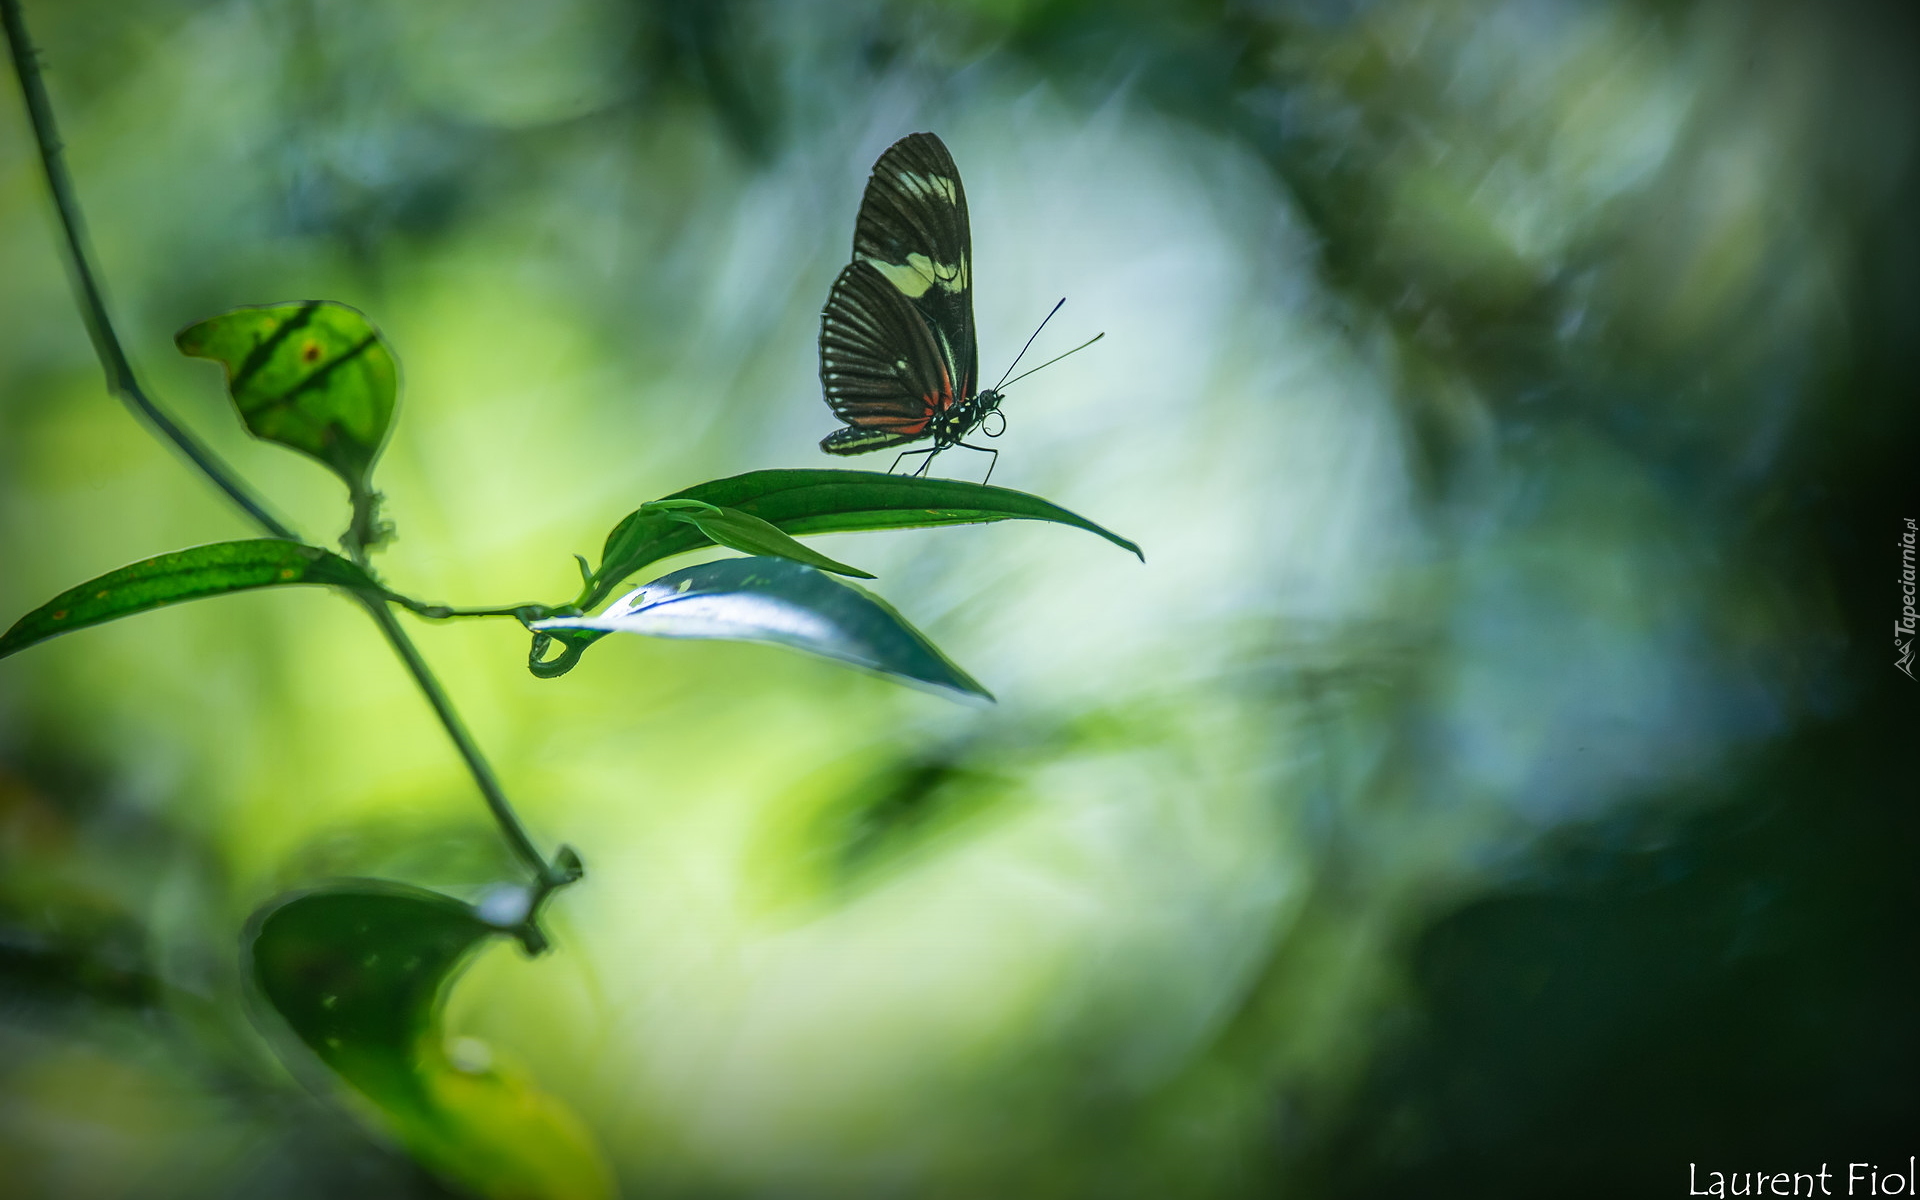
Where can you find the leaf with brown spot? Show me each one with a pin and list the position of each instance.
(314, 376)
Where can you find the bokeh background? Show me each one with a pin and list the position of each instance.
(1495, 782)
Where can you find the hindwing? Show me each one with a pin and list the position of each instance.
(881, 368)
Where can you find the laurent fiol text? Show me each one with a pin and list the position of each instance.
(1860, 1179)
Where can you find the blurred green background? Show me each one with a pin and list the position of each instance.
(1495, 782)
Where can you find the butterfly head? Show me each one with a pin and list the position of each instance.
(964, 418)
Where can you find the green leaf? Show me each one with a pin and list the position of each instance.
(819, 501)
(778, 601)
(212, 570)
(314, 376)
(748, 534)
(358, 972)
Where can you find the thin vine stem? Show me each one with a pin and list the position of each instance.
(123, 382)
(444, 612)
(490, 790)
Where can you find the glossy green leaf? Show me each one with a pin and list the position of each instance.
(358, 972)
(781, 602)
(748, 534)
(820, 501)
(212, 570)
(314, 376)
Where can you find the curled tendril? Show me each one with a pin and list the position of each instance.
(559, 664)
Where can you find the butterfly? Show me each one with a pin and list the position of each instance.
(898, 359)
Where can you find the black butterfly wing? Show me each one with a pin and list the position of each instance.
(881, 369)
(913, 229)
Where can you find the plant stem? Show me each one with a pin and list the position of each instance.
(443, 612)
(122, 382)
(509, 822)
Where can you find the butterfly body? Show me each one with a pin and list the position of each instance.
(945, 427)
(899, 362)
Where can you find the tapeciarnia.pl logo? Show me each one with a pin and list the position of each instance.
(1903, 627)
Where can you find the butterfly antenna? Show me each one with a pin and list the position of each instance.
(1023, 349)
(1043, 366)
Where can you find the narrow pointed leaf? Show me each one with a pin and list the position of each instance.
(211, 570)
(820, 501)
(748, 534)
(358, 973)
(314, 376)
(774, 600)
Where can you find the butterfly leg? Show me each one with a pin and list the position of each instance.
(929, 451)
(991, 463)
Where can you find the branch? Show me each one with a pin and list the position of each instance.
(121, 380)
